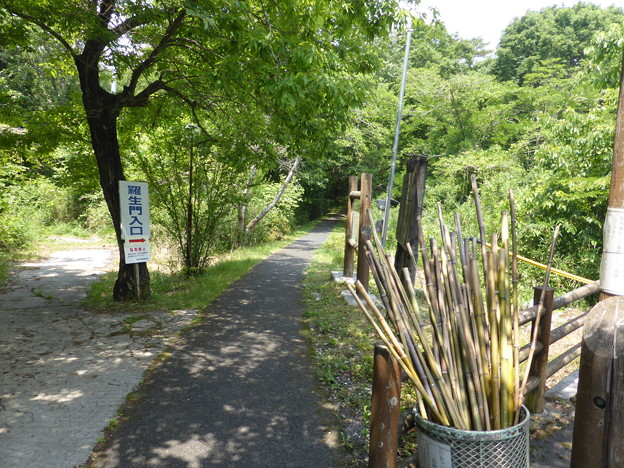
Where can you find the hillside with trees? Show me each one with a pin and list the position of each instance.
(229, 108)
(539, 120)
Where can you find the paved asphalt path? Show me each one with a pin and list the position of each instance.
(237, 389)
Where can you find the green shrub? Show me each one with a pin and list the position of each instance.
(4, 268)
(39, 201)
(31, 209)
(13, 235)
(94, 215)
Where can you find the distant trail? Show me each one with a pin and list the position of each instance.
(237, 390)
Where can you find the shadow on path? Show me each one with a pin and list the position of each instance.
(65, 371)
(237, 390)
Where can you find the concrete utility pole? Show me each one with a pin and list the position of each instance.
(599, 415)
(612, 265)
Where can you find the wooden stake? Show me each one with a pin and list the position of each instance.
(540, 309)
(385, 409)
(138, 281)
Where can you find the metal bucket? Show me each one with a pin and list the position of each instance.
(447, 447)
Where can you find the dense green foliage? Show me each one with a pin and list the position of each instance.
(536, 116)
(539, 120)
(553, 36)
(259, 79)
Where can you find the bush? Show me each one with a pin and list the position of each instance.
(13, 235)
(39, 202)
(94, 215)
(33, 208)
(5, 266)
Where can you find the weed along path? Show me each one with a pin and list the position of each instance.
(65, 371)
(237, 389)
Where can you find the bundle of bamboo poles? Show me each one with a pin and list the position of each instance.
(463, 356)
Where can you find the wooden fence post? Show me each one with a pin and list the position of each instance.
(349, 254)
(599, 416)
(366, 230)
(385, 409)
(534, 401)
(411, 206)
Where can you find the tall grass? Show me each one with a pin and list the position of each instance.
(5, 266)
(175, 290)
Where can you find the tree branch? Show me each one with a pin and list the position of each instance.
(277, 198)
(95, 45)
(174, 26)
(107, 7)
(127, 25)
(37, 22)
(141, 99)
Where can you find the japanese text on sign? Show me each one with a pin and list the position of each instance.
(135, 222)
(134, 198)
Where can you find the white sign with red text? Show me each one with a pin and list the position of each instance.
(135, 221)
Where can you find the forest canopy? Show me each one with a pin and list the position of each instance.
(222, 106)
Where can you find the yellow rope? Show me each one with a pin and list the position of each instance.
(565, 274)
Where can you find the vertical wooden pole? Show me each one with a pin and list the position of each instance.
(616, 195)
(534, 401)
(366, 230)
(137, 278)
(385, 410)
(613, 255)
(349, 255)
(599, 416)
(412, 196)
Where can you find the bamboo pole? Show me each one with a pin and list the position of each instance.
(385, 333)
(516, 321)
(494, 342)
(395, 287)
(463, 330)
(465, 364)
(475, 193)
(507, 390)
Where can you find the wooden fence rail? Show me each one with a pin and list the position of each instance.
(542, 368)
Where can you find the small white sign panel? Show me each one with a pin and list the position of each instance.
(612, 264)
(135, 252)
(135, 221)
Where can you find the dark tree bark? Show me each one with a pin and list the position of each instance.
(412, 197)
(102, 110)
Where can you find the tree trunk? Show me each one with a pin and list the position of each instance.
(102, 110)
(242, 207)
(277, 198)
